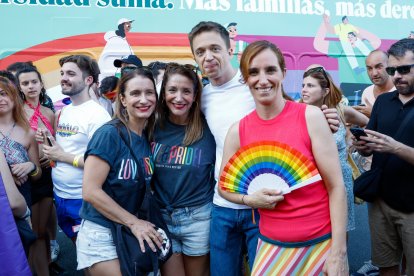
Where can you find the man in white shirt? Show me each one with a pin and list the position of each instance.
(376, 62)
(226, 100)
(75, 125)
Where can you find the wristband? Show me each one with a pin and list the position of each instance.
(34, 168)
(243, 200)
(27, 214)
(35, 171)
(75, 162)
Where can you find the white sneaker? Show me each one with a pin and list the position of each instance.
(368, 269)
(54, 252)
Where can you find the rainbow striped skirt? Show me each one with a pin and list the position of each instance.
(277, 260)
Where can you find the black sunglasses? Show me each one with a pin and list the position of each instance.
(402, 70)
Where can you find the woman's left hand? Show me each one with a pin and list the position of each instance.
(337, 265)
(145, 231)
(21, 169)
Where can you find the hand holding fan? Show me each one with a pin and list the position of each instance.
(267, 164)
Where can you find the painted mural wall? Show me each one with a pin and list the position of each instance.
(335, 34)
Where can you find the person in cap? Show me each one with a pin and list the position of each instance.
(127, 64)
(117, 46)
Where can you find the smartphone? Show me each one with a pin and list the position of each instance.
(358, 132)
(49, 142)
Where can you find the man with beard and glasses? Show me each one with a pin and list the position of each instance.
(391, 216)
(75, 125)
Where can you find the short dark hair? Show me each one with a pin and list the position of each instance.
(231, 24)
(155, 66)
(344, 17)
(14, 67)
(108, 84)
(352, 33)
(8, 75)
(87, 65)
(399, 48)
(208, 26)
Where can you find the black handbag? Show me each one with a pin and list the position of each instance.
(367, 185)
(131, 259)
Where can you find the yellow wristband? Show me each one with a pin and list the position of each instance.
(75, 162)
(36, 172)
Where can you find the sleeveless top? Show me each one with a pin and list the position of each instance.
(14, 152)
(35, 118)
(303, 217)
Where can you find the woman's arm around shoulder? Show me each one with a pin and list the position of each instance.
(355, 117)
(327, 160)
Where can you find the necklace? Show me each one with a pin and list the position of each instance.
(9, 132)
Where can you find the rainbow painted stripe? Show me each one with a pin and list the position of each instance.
(267, 164)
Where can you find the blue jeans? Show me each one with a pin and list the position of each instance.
(231, 231)
(190, 229)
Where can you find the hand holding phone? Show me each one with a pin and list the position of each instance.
(48, 142)
(358, 132)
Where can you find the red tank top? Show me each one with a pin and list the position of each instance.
(304, 213)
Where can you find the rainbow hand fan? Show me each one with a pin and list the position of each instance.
(267, 164)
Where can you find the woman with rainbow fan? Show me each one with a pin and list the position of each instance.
(278, 147)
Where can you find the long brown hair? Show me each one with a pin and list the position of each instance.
(19, 115)
(194, 128)
(120, 110)
(334, 97)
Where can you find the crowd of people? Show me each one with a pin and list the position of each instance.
(159, 127)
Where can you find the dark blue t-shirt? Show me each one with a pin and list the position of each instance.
(125, 182)
(183, 175)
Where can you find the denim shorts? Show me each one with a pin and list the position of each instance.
(190, 229)
(94, 244)
(67, 211)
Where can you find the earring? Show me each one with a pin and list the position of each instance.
(125, 114)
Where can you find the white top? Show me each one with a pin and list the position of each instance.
(75, 128)
(223, 106)
(107, 105)
(368, 97)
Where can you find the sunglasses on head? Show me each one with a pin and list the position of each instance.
(318, 69)
(174, 65)
(402, 70)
